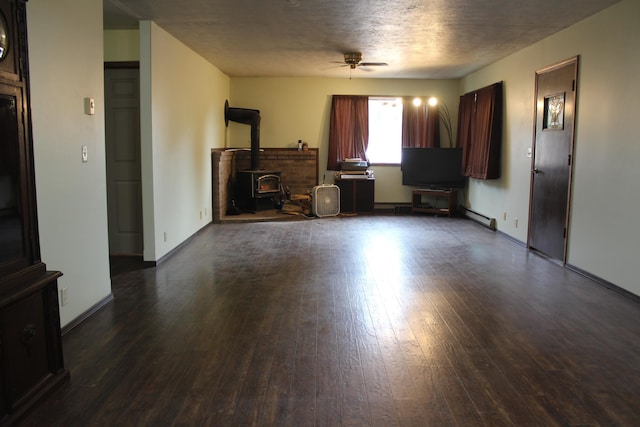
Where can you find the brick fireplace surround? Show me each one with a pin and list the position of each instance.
(299, 171)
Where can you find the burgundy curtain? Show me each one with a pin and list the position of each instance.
(466, 111)
(480, 132)
(348, 129)
(420, 125)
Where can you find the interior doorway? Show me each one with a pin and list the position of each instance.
(122, 144)
(556, 88)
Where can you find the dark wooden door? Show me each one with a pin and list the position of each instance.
(552, 158)
(122, 140)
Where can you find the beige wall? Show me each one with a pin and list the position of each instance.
(604, 238)
(65, 54)
(182, 99)
(298, 108)
(121, 45)
(182, 118)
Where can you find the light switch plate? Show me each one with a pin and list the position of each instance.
(85, 154)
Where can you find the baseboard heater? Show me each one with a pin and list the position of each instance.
(481, 219)
(393, 208)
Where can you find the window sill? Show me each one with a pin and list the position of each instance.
(384, 164)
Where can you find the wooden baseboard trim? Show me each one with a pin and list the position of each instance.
(615, 288)
(600, 281)
(511, 238)
(176, 249)
(90, 312)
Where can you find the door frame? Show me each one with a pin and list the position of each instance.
(121, 65)
(550, 68)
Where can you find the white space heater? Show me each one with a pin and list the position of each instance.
(326, 200)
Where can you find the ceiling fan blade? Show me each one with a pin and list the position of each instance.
(372, 64)
(335, 66)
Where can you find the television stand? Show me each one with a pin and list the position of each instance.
(419, 204)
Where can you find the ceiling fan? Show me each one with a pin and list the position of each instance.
(354, 59)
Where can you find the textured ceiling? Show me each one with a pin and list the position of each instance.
(417, 38)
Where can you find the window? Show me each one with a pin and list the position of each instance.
(376, 128)
(385, 130)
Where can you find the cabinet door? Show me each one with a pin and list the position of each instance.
(25, 345)
(365, 195)
(14, 201)
(346, 195)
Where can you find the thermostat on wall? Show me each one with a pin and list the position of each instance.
(89, 106)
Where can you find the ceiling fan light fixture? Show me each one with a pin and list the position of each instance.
(352, 58)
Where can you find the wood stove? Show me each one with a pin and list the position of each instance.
(255, 189)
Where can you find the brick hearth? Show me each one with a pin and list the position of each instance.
(299, 172)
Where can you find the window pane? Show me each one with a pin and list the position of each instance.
(385, 130)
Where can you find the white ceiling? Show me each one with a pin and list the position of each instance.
(426, 39)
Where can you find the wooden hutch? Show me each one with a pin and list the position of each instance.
(31, 362)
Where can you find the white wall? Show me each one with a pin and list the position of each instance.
(299, 108)
(65, 54)
(182, 118)
(604, 238)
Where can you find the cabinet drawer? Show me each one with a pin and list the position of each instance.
(25, 345)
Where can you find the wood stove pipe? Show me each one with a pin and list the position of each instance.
(247, 117)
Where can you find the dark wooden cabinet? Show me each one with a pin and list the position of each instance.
(31, 360)
(356, 195)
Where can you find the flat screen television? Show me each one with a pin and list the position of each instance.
(437, 168)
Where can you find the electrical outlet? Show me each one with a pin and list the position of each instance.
(504, 216)
(515, 222)
(63, 296)
(200, 214)
(165, 236)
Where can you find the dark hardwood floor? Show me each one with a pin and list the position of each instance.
(376, 320)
